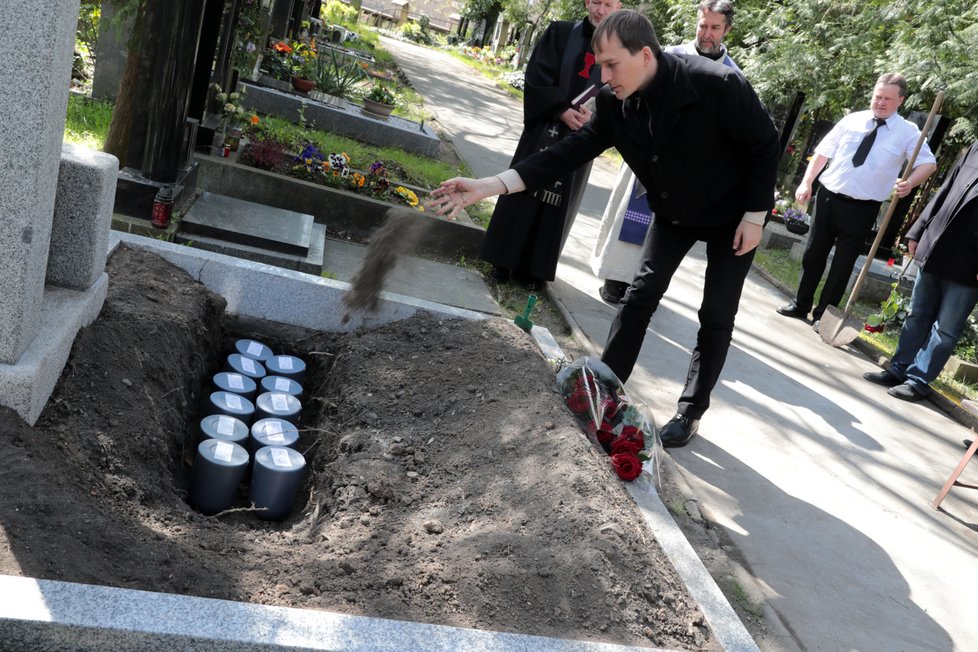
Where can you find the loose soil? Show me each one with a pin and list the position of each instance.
(446, 481)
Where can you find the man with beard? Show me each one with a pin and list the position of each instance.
(528, 230)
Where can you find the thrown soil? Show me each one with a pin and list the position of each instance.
(446, 481)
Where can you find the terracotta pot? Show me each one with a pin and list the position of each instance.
(303, 85)
(377, 108)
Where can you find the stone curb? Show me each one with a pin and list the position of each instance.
(41, 615)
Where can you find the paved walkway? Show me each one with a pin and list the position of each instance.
(822, 481)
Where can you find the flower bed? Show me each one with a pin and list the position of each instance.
(331, 170)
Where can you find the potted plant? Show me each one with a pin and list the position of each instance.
(233, 117)
(380, 100)
(337, 77)
(304, 66)
(277, 66)
(796, 221)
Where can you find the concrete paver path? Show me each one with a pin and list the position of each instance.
(821, 479)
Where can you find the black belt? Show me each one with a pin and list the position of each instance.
(839, 195)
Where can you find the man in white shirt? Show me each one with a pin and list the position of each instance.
(867, 150)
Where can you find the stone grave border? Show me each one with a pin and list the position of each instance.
(344, 213)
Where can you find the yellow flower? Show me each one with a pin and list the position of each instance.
(411, 198)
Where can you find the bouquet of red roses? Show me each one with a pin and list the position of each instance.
(614, 423)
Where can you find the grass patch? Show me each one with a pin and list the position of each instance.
(733, 588)
(87, 121)
(481, 212)
(494, 73)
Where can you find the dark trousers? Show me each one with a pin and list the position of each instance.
(665, 247)
(839, 221)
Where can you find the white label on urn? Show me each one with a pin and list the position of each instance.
(276, 438)
(254, 348)
(236, 381)
(225, 426)
(248, 364)
(282, 384)
(223, 451)
(285, 362)
(233, 401)
(272, 428)
(280, 402)
(280, 457)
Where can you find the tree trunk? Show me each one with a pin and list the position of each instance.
(117, 140)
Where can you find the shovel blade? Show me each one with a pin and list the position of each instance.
(837, 328)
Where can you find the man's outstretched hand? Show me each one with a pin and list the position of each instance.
(455, 194)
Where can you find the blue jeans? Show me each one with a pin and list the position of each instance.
(939, 311)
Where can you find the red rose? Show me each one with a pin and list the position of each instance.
(605, 435)
(631, 432)
(627, 466)
(578, 401)
(630, 446)
(609, 407)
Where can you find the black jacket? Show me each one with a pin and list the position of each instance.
(697, 137)
(955, 257)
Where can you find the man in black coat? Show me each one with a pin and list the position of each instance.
(944, 242)
(528, 230)
(673, 118)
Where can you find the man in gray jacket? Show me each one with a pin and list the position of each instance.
(944, 242)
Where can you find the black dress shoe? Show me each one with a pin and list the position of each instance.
(816, 325)
(678, 431)
(499, 274)
(886, 378)
(967, 442)
(906, 392)
(792, 310)
(612, 292)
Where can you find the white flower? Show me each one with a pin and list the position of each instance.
(221, 97)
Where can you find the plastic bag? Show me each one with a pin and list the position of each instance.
(614, 423)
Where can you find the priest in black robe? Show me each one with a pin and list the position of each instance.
(528, 230)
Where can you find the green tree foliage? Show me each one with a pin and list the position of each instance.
(833, 51)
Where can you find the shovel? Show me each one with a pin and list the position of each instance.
(523, 321)
(839, 328)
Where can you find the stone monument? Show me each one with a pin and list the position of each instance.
(53, 236)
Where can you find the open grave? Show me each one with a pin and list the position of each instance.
(447, 483)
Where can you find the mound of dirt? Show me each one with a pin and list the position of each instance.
(446, 481)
